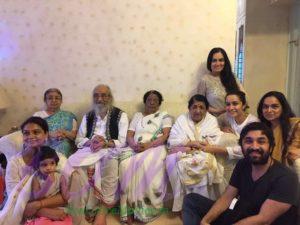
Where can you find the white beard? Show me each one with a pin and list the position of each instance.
(101, 109)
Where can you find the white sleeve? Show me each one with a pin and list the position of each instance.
(134, 121)
(81, 134)
(177, 136)
(12, 176)
(123, 127)
(167, 121)
(211, 130)
(41, 114)
(37, 114)
(234, 152)
(230, 142)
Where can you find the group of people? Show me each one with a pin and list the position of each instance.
(70, 175)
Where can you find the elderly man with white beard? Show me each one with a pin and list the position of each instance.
(94, 167)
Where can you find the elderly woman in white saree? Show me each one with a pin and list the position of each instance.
(142, 171)
(190, 168)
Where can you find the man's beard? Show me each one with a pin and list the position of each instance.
(257, 161)
(101, 108)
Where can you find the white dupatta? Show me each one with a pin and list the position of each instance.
(12, 213)
(85, 157)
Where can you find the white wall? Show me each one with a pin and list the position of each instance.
(266, 49)
(293, 83)
(132, 45)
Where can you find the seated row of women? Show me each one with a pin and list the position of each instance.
(202, 151)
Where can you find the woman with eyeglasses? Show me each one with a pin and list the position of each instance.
(62, 124)
(275, 111)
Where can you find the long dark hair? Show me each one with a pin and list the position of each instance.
(284, 119)
(227, 76)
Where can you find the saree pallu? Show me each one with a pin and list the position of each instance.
(61, 120)
(143, 184)
(194, 173)
(143, 179)
(12, 213)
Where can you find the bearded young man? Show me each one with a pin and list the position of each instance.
(261, 190)
(94, 167)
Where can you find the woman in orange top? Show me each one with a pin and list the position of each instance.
(274, 110)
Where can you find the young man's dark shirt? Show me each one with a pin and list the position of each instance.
(279, 183)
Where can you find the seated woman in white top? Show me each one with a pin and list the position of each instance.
(142, 170)
(234, 120)
(18, 178)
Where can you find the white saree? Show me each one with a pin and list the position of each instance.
(143, 178)
(199, 172)
(12, 213)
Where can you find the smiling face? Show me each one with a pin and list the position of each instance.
(33, 135)
(102, 98)
(152, 103)
(53, 101)
(197, 111)
(234, 106)
(47, 166)
(271, 109)
(256, 147)
(217, 63)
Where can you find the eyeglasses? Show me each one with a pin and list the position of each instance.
(53, 98)
(103, 95)
(273, 106)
